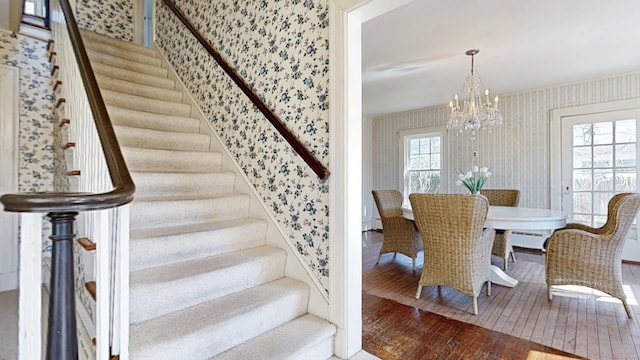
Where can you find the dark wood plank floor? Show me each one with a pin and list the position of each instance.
(395, 331)
(578, 320)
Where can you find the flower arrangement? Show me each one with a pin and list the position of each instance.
(475, 179)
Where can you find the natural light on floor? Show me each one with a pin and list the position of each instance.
(576, 291)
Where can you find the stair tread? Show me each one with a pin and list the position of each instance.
(133, 76)
(92, 36)
(180, 161)
(133, 88)
(141, 103)
(212, 327)
(171, 123)
(180, 270)
(151, 66)
(300, 334)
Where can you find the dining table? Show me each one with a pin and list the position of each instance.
(512, 218)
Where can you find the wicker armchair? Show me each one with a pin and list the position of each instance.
(400, 234)
(502, 243)
(457, 250)
(581, 255)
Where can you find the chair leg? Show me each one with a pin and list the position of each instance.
(439, 291)
(513, 255)
(414, 264)
(379, 256)
(506, 261)
(488, 288)
(394, 255)
(418, 292)
(474, 304)
(549, 294)
(626, 308)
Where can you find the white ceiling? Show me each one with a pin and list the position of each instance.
(413, 57)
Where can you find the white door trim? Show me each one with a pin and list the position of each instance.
(556, 116)
(345, 183)
(9, 117)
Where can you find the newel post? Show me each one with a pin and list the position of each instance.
(62, 338)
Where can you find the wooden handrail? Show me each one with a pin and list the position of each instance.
(313, 163)
(124, 187)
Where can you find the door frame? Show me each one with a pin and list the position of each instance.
(9, 125)
(345, 163)
(555, 133)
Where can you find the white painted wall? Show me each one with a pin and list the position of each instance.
(518, 152)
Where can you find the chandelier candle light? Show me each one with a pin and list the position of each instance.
(477, 111)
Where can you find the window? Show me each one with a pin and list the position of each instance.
(422, 163)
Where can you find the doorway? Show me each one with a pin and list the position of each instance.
(599, 159)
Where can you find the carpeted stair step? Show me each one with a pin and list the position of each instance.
(144, 68)
(155, 185)
(170, 161)
(150, 214)
(207, 329)
(147, 120)
(165, 245)
(155, 139)
(139, 103)
(200, 280)
(128, 87)
(132, 55)
(95, 40)
(124, 74)
(307, 337)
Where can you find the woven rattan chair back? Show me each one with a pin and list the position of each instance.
(502, 247)
(400, 234)
(457, 248)
(582, 255)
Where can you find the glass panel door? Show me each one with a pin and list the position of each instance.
(599, 155)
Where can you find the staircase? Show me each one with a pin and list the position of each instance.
(203, 282)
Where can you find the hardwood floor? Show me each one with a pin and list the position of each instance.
(395, 331)
(578, 321)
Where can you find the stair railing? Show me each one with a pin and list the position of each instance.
(104, 190)
(315, 165)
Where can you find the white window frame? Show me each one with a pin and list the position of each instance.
(404, 138)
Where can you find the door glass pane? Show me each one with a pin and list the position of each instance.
(581, 157)
(582, 134)
(626, 155)
(582, 180)
(625, 180)
(603, 180)
(581, 202)
(600, 202)
(603, 156)
(626, 131)
(603, 133)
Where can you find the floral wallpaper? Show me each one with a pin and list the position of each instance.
(35, 138)
(113, 18)
(280, 49)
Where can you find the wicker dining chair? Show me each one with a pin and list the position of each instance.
(502, 247)
(582, 255)
(457, 250)
(400, 234)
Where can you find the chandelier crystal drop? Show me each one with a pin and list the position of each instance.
(477, 111)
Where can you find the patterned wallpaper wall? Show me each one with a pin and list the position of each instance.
(281, 50)
(517, 152)
(35, 137)
(108, 17)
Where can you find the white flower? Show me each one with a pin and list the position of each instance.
(484, 169)
(488, 174)
(461, 176)
(475, 169)
(468, 175)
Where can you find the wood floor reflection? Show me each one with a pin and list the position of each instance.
(584, 323)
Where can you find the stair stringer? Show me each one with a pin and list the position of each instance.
(276, 236)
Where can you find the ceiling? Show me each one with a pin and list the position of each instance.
(414, 56)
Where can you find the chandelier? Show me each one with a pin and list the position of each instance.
(477, 111)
